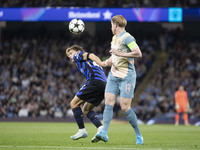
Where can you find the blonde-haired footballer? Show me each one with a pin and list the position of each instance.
(121, 79)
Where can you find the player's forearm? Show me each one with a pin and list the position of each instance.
(135, 52)
(95, 58)
(132, 54)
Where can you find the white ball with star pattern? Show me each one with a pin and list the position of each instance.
(76, 26)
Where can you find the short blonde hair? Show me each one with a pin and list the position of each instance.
(119, 20)
(75, 47)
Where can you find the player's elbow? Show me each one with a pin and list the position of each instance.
(140, 54)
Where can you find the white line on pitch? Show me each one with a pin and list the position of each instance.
(61, 147)
(5, 146)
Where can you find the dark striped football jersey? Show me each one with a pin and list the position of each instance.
(89, 68)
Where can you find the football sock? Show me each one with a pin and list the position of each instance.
(82, 130)
(176, 118)
(132, 118)
(185, 117)
(78, 115)
(94, 118)
(107, 117)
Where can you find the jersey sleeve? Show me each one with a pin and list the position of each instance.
(130, 42)
(78, 57)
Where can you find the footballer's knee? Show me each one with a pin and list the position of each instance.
(87, 107)
(85, 111)
(110, 101)
(125, 104)
(74, 104)
(125, 107)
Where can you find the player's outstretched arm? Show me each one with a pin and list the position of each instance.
(95, 58)
(105, 63)
(135, 52)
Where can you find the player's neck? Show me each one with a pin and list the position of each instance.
(119, 31)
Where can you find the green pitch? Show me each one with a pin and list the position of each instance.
(56, 136)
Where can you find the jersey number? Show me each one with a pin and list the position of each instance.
(116, 43)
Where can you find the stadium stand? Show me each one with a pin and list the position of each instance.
(180, 68)
(37, 80)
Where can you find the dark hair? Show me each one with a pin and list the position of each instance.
(75, 47)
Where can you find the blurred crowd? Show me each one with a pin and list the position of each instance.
(100, 3)
(37, 80)
(182, 67)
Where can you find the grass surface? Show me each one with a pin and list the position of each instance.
(48, 136)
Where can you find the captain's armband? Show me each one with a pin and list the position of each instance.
(132, 45)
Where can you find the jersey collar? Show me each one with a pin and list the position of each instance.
(121, 33)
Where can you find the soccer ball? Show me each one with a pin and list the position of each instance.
(76, 26)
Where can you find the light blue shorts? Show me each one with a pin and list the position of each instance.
(124, 86)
